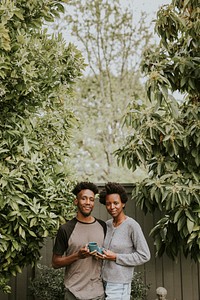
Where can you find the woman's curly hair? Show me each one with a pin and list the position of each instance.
(113, 188)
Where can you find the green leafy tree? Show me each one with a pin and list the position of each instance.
(166, 135)
(37, 72)
(112, 45)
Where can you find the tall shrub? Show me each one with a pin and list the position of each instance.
(37, 72)
(165, 135)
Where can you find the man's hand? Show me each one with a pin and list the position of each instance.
(83, 252)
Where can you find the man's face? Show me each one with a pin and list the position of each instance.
(85, 202)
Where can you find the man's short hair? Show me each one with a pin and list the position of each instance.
(85, 185)
(113, 188)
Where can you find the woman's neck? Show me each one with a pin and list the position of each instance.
(119, 220)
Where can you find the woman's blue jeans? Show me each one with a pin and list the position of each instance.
(117, 291)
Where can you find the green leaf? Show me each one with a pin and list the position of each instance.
(32, 233)
(19, 14)
(22, 232)
(181, 222)
(190, 225)
(178, 215)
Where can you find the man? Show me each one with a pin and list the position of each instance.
(82, 270)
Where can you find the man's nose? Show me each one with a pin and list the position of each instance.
(87, 201)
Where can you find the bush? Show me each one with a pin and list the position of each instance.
(138, 287)
(48, 284)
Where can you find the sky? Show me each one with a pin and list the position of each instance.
(149, 6)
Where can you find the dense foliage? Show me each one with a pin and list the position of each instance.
(165, 134)
(37, 72)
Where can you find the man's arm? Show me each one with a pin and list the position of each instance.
(59, 261)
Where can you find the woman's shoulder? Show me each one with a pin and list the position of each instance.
(132, 222)
(109, 222)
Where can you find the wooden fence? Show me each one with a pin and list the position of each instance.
(181, 278)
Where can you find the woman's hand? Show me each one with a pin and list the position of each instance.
(109, 255)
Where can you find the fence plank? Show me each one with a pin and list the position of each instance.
(19, 286)
(177, 290)
(168, 276)
(150, 267)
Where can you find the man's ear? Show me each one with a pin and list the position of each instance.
(75, 201)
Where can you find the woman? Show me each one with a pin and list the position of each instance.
(125, 245)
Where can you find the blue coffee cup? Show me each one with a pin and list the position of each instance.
(100, 250)
(92, 246)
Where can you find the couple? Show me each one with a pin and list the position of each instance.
(122, 238)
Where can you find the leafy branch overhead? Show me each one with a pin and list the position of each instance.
(37, 73)
(174, 64)
(165, 134)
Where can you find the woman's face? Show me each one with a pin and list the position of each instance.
(114, 205)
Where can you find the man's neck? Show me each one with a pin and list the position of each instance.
(85, 219)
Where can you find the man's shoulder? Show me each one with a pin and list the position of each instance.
(100, 221)
(103, 224)
(69, 224)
